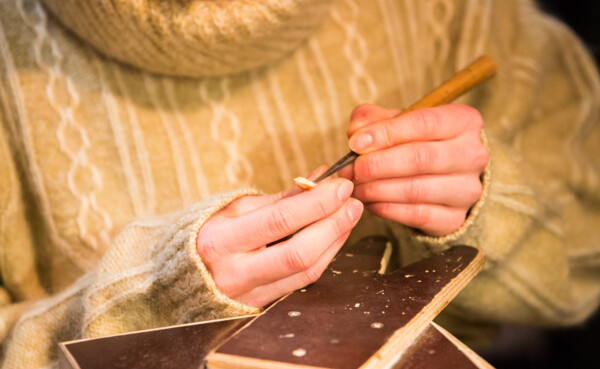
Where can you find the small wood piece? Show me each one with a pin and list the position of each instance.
(352, 317)
(304, 183)
(181, 347)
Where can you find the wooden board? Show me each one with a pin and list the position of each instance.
(185, 346)
(181, 347)
(353, 317)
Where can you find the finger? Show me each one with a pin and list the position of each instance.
(460, 155)
(429, 124)
(302, 251)
(347, 172)
(365, 114)
(460, 191)
(270, 223)
(247, 204)
(317, 172)
(262, 295)
(433, 220)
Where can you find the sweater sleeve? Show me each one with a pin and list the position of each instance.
(150, 276)
(19, 279)
(538, 220)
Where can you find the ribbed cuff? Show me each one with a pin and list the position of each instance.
(183, 283)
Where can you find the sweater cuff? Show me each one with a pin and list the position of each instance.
(183, 283)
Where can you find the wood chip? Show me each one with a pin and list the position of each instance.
(305, 184)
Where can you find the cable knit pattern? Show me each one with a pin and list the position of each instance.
(108, 170)
(83, 177)
(153, 259)
(192, 37)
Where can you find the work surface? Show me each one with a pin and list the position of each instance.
(353, 317)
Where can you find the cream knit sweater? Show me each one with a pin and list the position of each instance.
(126, 124)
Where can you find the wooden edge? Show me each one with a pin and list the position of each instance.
(66, 343)
(227, 361)
(472, 355)
(385, 258)
(65, 358)
(404, 337)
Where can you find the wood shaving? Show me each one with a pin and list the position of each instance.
(305, 184)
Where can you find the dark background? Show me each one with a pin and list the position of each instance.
(582, 16)
(577, 347)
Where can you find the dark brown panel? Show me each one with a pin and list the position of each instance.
(178, 347)
(433, 350)
(351, 312)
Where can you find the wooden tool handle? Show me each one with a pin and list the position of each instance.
(479, 71)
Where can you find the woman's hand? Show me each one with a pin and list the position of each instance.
(232, 244)
(422, 168)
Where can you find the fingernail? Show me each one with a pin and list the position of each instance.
(355, 210)
(345, 190)
(361, 142)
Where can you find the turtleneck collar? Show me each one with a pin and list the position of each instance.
(192, 38)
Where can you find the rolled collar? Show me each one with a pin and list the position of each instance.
(192, 38)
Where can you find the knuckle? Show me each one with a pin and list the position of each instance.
(421, 216)
(368, 191)
(382, 208)
(474, 190)
(225, 283)
(322, 208)
(421, 157)
(311, 275)
(387, 134)
(481, 157)
(296, 260)
(367, 168)
(236, 206)
(426, 122)
(278, 222)
(456, 221)
(475, 118)
(468, 118)
(415, 191)
(340, 224)
(208, 249)
(257, 301)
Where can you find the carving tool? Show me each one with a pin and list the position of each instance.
(479, 71)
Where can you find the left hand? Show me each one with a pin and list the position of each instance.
(421, 169)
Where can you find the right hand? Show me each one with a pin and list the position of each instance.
(232, 244)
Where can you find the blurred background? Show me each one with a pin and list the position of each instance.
(577, 347)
